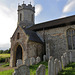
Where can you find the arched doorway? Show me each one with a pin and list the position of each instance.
(18, 53)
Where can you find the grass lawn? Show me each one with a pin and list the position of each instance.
(68, 70)
(5, 65)
(4, 55)
(34, 68)
(8, 72)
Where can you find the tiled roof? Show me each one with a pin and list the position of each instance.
(32, 35)
(54, 23)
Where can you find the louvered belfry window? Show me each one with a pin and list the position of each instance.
(71, 39)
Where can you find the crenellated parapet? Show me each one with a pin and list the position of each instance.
(28, 7)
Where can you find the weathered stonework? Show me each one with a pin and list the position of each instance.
(33, 40)
(29, 48)
(34, 49)
(57, 39)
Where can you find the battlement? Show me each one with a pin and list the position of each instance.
(24, 6)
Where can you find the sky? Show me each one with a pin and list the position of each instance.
(45, 10)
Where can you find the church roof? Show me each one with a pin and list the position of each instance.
(32, 35)
(54, 23)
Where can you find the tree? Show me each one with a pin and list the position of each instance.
(1, 51)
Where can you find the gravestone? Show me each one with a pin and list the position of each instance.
(56, 66)
(47, 50)
(41, 70)
(38, 60)
(27, 62)
(32, 61)
(22, 70)
(70, 56)
(64, 57)
(44, 58)
(62, 61)
(60, 65)
(51, 66)
(67, 59)
(19, 62)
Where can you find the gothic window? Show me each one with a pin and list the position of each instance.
(18, 35)
(71, 39)
(20, 17)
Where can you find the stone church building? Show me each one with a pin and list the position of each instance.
(51, 38)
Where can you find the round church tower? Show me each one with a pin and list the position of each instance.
(26, 15)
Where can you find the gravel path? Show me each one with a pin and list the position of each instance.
(5, 68)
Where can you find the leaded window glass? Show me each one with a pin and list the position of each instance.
(71, 39)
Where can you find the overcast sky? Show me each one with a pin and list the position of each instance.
(46, 10)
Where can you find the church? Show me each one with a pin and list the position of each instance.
(51, 38)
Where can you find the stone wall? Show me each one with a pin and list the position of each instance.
(22, 41)
(34, 49)
(29, 48)
(57, 40)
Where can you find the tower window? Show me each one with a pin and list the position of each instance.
(18, 35)
(71, 39)
(20, 17)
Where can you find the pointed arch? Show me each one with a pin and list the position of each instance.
(71, 38)
(18, 47)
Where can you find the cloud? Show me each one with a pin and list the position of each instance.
(8, 23)
(4, 46)
(38, 9)
(70, 6)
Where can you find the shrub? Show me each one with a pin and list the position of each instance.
(2, 60)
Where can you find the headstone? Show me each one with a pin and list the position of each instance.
(38, 60)
(19, 62)
(60, 65)
(32, 61)
(62, 61)
(64, 56)
(51, 66)
(70, 56)
(67, 59)
(44, 58)
(47, 51)
(27, 62)
(22, 70)
(56, 66)
(41, 70)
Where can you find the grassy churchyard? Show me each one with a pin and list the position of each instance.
(6, 70)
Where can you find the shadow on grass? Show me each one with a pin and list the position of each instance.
(68, 70)
(33, 68)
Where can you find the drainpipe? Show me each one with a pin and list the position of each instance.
(44, 53)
